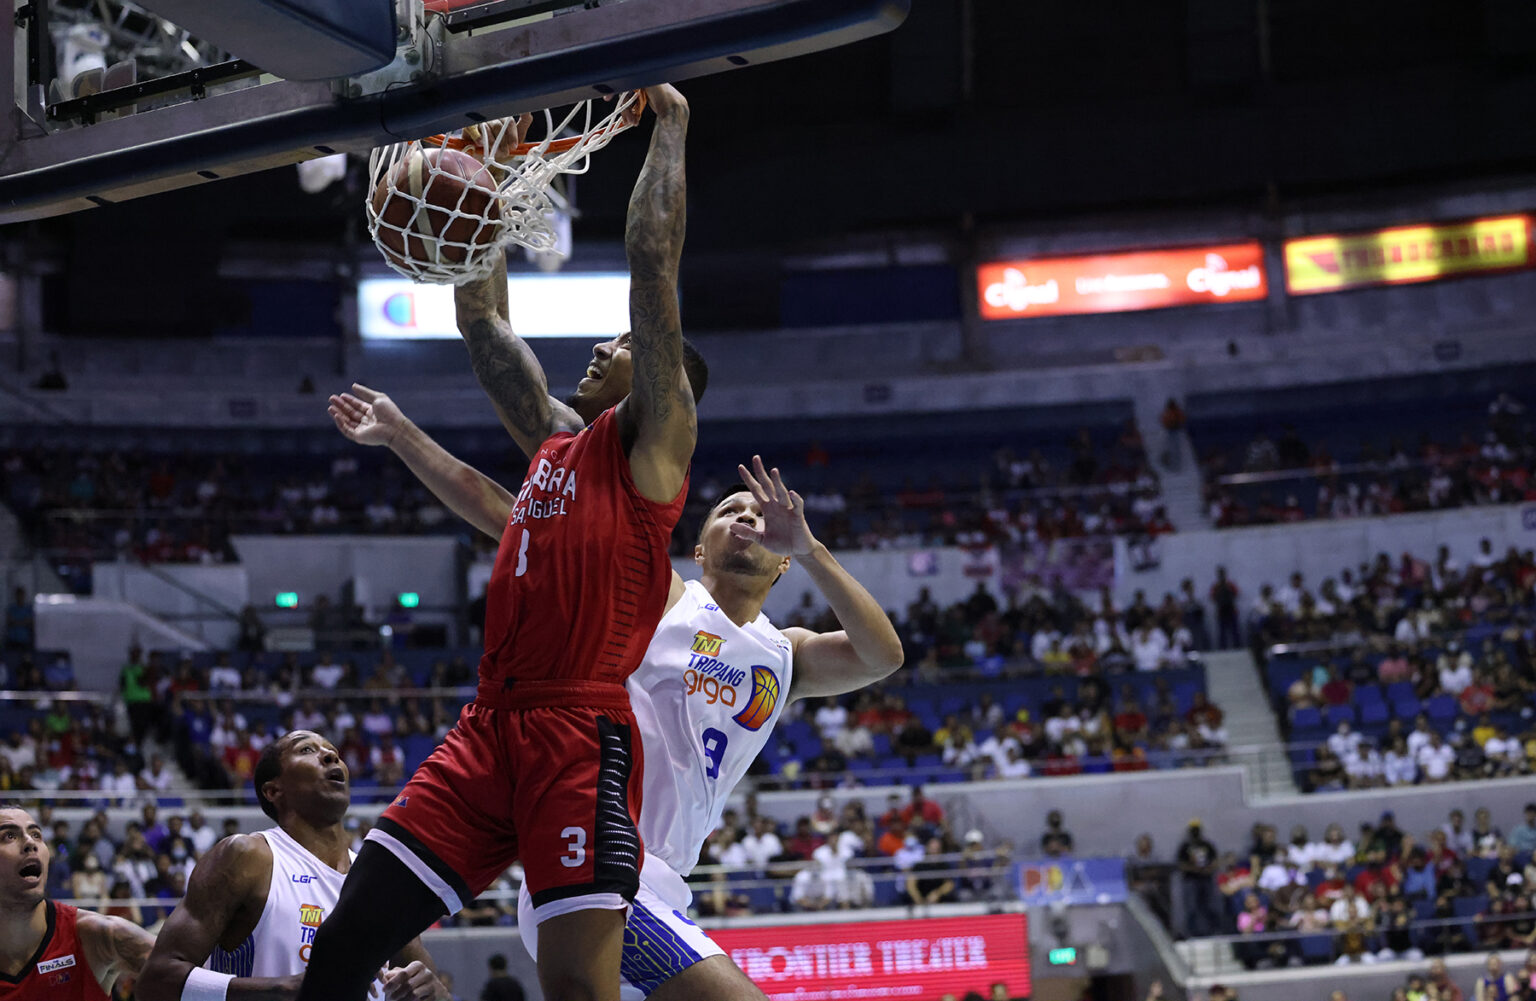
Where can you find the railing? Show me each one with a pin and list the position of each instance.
(1257, 945)
(995, 875)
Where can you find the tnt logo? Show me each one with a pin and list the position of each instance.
(707, 643)
(310, 916)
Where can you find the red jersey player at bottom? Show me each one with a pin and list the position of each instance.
(49, 951)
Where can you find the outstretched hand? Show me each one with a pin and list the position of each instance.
(412, 982)
(366, 416)
(784, 528)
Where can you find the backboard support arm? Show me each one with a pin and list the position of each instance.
(611, 48)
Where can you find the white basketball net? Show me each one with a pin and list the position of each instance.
(509, 202)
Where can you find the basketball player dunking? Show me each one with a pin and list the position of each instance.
(49, 951)
(707, 694)
(542, 766)
(246, 926)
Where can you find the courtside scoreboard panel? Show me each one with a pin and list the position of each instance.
(473, 76)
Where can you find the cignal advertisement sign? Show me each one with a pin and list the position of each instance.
(1334, 261)
(1117, 283)
(921, 959)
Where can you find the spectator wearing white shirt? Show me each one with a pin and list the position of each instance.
(1336, 849)
(1350, 908)
(1455, 671)
(1040, 643)
(1419, 738)
(1016, 767)
(223, 676)
(830, 719)
(1364, 767)
(1399, 768)
(1344, 742)
(1149, 647)
(1279, 873)
(308, 717)
(1485, 557)
(1504, 751)
(200, 832)
(1062, 725)
(1301, 851)
(377, 721)
(1436, 759)
(19, 750)
(327, 673)
(809, 892)
(155, 777)
(998, 746)
(120, 781)
(1288, 596)
(763, 844)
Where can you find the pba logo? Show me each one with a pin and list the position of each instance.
(765, 696)
(707, 643)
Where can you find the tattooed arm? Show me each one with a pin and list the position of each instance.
(113, 947)
(507, 368)
(658, 418)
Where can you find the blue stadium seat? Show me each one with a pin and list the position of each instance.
(1306, 718)
(1441, 708)
(1479, 868)
(1317, 948)
(1339, 714)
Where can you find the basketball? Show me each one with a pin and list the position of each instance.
(435, 206)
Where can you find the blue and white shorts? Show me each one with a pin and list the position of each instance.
(659, 940)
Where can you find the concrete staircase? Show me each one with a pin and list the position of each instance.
(1208, 957)
(1181, 476)
(1232, 682)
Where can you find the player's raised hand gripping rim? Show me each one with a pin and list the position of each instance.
(366, 416)
(784, 531)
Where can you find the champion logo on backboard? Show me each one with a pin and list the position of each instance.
(707, 643)
(56, 964)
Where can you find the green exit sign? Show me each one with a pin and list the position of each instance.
(409, 599)
(287, 599)
(1064, 956)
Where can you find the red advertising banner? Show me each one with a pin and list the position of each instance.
(920, 959)
(1116, 283)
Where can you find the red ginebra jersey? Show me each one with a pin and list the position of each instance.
(59, 971)
(582, 574)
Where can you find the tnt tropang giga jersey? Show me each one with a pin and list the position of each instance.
(582, 574)
(706, 697)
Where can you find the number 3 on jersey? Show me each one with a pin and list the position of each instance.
(522, 555)
(714, 750)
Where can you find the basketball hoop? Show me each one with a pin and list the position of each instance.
(435, 220)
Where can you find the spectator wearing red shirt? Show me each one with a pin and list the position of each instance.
(240, 759)
(1477, 698)
(922, 810)
(1331, 888)
(804, 841)
(894, 837)
(1336, 691)
(1130, 721)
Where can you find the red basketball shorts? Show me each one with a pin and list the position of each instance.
(556, 787)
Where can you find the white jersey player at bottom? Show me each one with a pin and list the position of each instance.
(302, 892)
(706, 696)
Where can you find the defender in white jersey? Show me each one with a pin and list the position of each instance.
(254, 901)
(712, 684)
